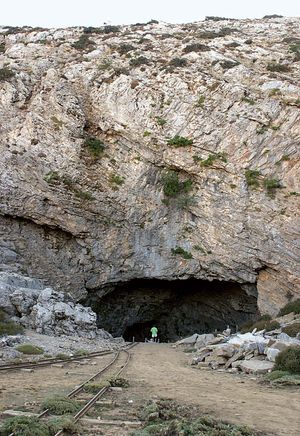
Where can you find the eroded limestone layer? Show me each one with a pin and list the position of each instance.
(82, 217)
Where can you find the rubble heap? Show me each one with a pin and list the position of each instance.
(251, 352)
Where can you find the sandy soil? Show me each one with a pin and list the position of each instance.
(158, 370)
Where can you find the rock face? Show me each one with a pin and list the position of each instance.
(95, 190)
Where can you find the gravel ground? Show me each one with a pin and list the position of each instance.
(52, 345)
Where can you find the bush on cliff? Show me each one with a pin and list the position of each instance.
(292, 329)
(292, 306)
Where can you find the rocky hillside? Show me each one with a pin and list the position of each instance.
(152, 151)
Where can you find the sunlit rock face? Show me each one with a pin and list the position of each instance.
(217, 203)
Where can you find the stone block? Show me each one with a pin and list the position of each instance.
(255, 366)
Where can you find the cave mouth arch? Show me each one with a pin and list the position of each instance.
(178, 308)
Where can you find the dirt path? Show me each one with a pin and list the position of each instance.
(158, 369)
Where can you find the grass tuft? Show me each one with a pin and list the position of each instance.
(29, 349)
(60, 405)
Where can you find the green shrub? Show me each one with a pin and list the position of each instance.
(2, 47)
(180, 141)
(83, 43)
(62, 356)
(125, 48)
(182, 252)
(201, 100)
(83, 195)
(110, 29)
(60, 405)
(141, 60)
(292, 329)
(210, 159)
(25, 426)
(172, 187)
(10, 328)
(29, 349)
(117, 180)
(248, 100)
(6, 73)
(171, 184)
(95, 146)
(65, 423)
(275, 374)
(271, 184)
(279, 68)
(213, 18)
(295, 48)
(160, 121)
(292, 306)
(52, 177)
(252, 178)
(93, 388)
(227, 65)
(288, 360)
(146, 133)
(81, 352)
(178, 63)
(274, 91)
(165, 417)
(118, 382)
(266, 17)
(196, 47)
(185, 201)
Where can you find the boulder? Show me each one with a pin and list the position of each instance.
(225, 350)
(189, 340)
(272, 353)
(203, 340)
(255, 366)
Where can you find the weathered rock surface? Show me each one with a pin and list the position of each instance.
(46, 310)
(255, 366)
(81, 221)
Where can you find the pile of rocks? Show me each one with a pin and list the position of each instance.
(252, 352)
(45, 310)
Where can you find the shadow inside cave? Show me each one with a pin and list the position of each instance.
(177, 308)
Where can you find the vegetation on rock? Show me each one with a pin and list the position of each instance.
(292, 329)
(6, 73)
(279, 68)
(292, 306)
(288, 360)
(265, 322)
(180, 141)
(8, 327)
(182, 252)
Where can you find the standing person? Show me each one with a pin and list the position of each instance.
(154, 331)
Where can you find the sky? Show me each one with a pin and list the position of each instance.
(63, 13)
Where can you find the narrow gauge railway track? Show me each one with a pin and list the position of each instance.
(117, 361)
(51, 361)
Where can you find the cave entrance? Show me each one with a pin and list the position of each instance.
(177, 308)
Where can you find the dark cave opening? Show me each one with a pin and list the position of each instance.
(177, 308)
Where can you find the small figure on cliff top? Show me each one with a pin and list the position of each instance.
(154, 331)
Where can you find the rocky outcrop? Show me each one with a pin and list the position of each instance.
(96, 188)
(45, 310)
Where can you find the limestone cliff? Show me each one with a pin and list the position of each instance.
(152, 151)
